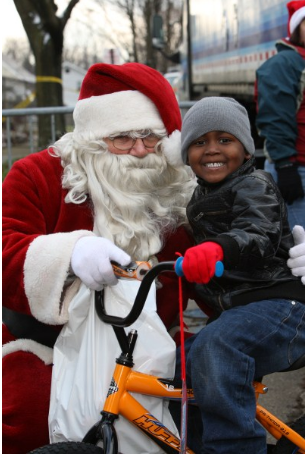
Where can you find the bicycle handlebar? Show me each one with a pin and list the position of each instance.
(140, 299)
(150, 275)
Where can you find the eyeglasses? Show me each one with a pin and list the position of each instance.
(127, 142)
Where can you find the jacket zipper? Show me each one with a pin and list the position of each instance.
(220, 303)
(201, 214)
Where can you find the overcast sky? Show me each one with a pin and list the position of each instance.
(11, 25)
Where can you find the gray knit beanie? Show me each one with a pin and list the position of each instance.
(216, 114)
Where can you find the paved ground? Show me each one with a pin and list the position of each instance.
(286, 391)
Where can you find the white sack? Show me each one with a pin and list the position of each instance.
(84, 361)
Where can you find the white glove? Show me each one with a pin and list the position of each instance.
(90, 261)
(297, 253)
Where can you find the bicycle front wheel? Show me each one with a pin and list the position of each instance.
(69, 447)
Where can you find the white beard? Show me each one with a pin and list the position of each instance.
(136, 201)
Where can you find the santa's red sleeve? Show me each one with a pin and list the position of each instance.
(39, 233)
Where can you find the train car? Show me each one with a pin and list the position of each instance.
(224, 42)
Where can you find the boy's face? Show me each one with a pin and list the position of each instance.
(215, 155)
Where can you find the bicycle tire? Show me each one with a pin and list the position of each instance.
(69, 447)
(283, 445)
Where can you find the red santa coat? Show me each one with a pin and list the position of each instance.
(39, 233)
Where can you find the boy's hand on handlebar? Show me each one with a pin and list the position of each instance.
(199, 262)
(90, 261)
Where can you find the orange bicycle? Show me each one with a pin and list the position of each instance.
(102, 437)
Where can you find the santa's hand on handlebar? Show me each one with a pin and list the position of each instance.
(91, 261)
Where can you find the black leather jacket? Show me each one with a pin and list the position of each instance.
(247, 216)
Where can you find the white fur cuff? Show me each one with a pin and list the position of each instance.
(46, 269)
(43, 352)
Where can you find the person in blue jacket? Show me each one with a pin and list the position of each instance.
(281, 113)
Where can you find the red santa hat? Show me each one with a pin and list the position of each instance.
(296, 12)
(128, 97)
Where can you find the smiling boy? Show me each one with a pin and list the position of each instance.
(238, 216)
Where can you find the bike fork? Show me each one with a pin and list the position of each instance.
(104, 431)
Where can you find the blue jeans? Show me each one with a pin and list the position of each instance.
(296, 211)
(224, 358)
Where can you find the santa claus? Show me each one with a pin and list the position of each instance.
(113, 189)
(118, 173)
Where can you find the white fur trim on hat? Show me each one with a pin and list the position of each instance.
(296, 19)
(172, 149)
(117, 112)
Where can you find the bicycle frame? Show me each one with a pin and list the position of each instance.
(272, 424)
(125, 381)
(120, 402)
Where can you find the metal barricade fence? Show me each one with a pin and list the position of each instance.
(32, 113)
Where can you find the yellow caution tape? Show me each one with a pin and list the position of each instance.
(26, 101)
(23, 103)
(48, 79)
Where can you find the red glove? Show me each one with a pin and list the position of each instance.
(199, 262)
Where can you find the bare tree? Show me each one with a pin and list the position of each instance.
(147, 7)
(105, 36)
(45, 31)
(140, 14)
(19, 51)
(127, 7)
(172, 17)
